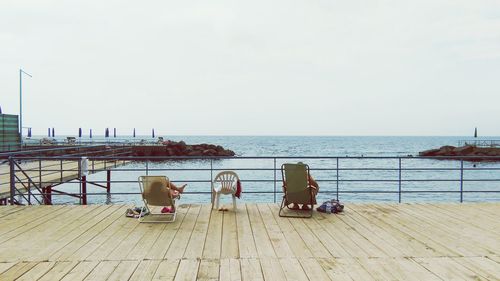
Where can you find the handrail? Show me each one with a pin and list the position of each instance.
(340, 171)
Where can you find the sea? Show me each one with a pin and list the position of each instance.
(366, 172)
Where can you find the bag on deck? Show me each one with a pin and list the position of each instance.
(331, 206)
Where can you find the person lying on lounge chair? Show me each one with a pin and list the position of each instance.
(175, 191)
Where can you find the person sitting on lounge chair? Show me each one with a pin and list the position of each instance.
(314, 187)
(175, 192)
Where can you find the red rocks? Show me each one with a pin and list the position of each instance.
(172, 148)
(480, 153)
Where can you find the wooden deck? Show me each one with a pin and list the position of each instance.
(47, 173)
(366, 242)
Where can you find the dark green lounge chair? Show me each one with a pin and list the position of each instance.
(296, 189)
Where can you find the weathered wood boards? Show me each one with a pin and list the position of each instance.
(366, 242)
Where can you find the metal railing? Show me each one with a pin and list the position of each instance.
(389, 178)
(480, 143)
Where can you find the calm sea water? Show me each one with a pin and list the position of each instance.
(369, 179)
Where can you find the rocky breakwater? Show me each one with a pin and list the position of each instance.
(452, 152)
(172, 148)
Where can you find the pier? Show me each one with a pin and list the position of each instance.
(28, 173)
(443, 241)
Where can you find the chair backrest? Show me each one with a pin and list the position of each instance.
(295, 183)
(227, 179)
(155, 190)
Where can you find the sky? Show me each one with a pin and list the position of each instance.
(232, 67)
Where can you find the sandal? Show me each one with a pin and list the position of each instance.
(295, 207)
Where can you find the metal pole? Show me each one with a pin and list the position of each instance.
(337, 178)
(108, 181)
(12, 180)
(461, 180)
(399, 181)
(21, 106)
(21, 103)
(211, 181)
(84, 190)
(274, 171)
(147, 170)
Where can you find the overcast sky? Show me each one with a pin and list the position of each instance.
(279, 67)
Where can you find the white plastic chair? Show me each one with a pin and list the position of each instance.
(225, 182)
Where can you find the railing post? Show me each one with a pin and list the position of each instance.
(274, 172)
(399, 181)
(461, 180)
(84, 191)
(337, 168)
(147, 167)
(40, 173)
(212, 195)
(61, 170)
(108, 181)
(12, 180)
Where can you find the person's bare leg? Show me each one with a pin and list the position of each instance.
(178, 188)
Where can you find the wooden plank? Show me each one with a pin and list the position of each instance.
(73, 230)
(181, 239)
(57, 272)
(123, 271)
(330, 239)
(80, 271)
(246, 242)
(102, 271)
(409, 228)
(377, 268)
(444, 233)
(105, 240)
(357, 235)
(313, 269)
(264, 246)
(16, 271)
(251, 269)
(271, 269)
(392, 235)
(275, 233)
(194, 249)
(229, 244)
(230, 270)
(447, 269)
(145, 270)
(333, 270)
(37, 271)
(166, 270)
(64, 253)
(354, 269)
(208, 270)
(188, 270)
(295, 242)
(4, 266)
(292, 269)
(310, 240)
(481, 266)
(162, 244)
(213, 242)
(131, 240)
(21, 224)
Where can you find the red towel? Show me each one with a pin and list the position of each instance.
(238, 189)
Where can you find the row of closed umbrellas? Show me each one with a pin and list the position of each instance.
(51, 132)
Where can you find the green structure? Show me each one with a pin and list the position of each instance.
(9, 132)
